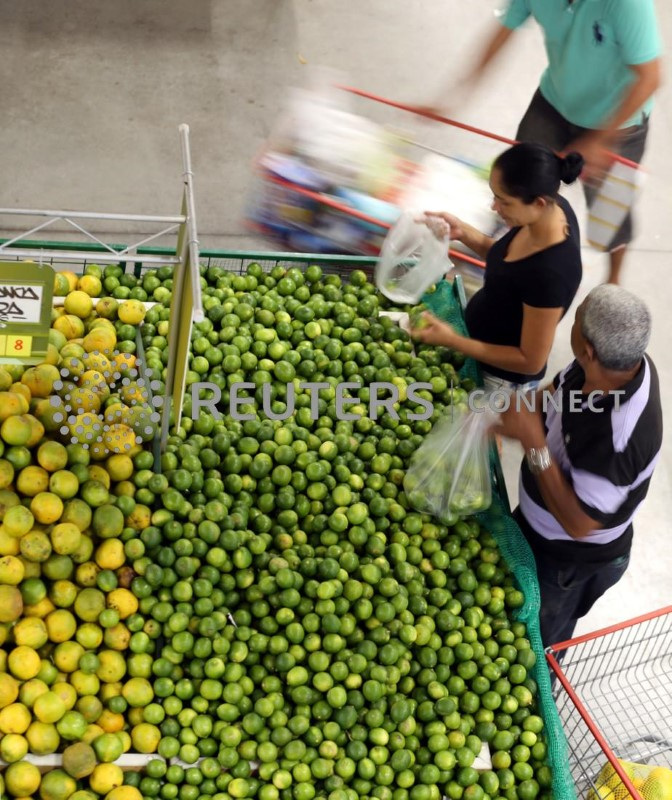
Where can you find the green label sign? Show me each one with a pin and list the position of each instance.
(26, 291)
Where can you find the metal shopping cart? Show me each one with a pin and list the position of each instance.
(613, 691)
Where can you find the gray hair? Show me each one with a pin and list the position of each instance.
(617, 324)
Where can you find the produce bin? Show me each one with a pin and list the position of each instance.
(448, 302)
(614, 697)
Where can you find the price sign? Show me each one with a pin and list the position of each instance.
(26, 291)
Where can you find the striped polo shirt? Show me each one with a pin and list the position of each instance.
(607, 453)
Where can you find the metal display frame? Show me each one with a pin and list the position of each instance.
(184, 258)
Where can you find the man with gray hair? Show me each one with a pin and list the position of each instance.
(587, 466)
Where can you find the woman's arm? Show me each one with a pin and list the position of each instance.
(536, 340)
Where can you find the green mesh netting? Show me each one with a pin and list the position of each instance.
(518, 555)
(447, 302)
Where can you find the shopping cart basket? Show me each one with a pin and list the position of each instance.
(614, 697)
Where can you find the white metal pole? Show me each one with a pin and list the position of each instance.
(192, 230)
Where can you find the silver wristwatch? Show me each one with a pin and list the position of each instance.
(538, 460)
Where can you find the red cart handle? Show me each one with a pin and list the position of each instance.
(471, 128)
(352, 212)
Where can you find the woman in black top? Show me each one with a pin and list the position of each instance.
(532, 273)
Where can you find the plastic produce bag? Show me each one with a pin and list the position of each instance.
(414, 256)
(449, 476)
(652, 783)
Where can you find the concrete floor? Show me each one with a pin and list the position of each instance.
(93, 93)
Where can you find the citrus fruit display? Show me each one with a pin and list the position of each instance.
(266, 613)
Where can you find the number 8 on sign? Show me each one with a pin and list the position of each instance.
(19, 346)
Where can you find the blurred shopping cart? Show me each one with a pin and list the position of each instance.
(613, 691)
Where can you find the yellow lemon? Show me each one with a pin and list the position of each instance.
(66, 692)
(11, 603)
(12, 570)
(92, 733)
(32, 480)
(106, 777)
(145, 738)
(57, 785)
(110, 554)
(52, 456)
(122, 601)
(9, 546)
(112, 666)
(79, 512)
(61, 625)
(7, 473)
(12, 404)
(100, 474)
(43, 738)
(35, 546)
(64, 484)
(70, 325)
(107, 308)
(24, 663)
(14, 718)
(124, 793)
(46, 507)
(102, 339)
(65, 538)
(119, 467)
(40, 380)
(22, 779)
(118, 637)
(31, 632)
(49, 707)
(31, 690)
(13, 747)
(90, 284)
(131, 312)
(18, 521)
(9, 689)
(41, 609)
(66, 656)
(78, 303)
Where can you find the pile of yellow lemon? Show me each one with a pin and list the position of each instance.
(69, 542)
(652, 783)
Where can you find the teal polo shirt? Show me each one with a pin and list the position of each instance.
(590, 44)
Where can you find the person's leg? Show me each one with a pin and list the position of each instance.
(569, 591)
(541, 123)
(630, 145)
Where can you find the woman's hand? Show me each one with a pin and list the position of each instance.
(456, 224)
(433, 331)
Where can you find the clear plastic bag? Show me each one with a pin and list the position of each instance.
(414, 256)
(449, 476)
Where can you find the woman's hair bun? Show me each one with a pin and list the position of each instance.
(570, 167)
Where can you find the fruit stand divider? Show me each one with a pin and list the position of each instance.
(449, 302)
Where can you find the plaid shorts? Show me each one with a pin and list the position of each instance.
(542, 123)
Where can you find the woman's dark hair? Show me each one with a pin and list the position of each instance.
(532, 170)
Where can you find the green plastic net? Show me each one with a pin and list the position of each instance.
(447, 302)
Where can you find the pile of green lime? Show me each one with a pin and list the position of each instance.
(311, 634)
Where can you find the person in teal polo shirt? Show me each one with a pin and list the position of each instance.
(596, 93)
